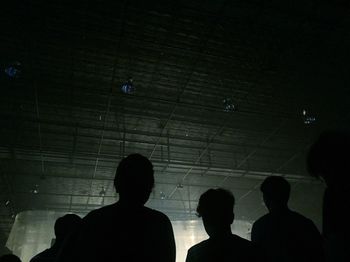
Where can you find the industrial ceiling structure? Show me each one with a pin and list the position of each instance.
(215, 93)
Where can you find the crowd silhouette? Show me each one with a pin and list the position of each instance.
(129, 231)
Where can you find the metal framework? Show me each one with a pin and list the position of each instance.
(66, 122)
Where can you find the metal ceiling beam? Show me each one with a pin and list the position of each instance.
(109, 101)
(117, 48)
(245, 159)
(39, 129)
(98, 128)
(202, 47)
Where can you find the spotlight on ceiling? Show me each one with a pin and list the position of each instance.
(13, 70)
(35, 190)
(228, 105)
(162, 195)
(102, 192)
(7, 203)
(128, 87)
(308, 118)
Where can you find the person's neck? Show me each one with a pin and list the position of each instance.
(278, 209)
(57, 244)
(129, 203)
(223, 233)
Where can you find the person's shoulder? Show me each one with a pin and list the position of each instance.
(303, 223)
(199, 246)
(262, 220)
(42, 256)
(155, 214)
(36, 258)
(240, 239)
(198, 252)
(98, 214)
(251, 251)
(301, 218)
(242, 242)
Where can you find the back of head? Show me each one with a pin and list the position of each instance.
(66, 225)
(134, 179)
(10, 258)
(276, 190)
(216, 205)
(329, 157)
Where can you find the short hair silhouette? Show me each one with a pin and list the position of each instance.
(10, 258)
(126, 230)
(329, 158)
(216, 204)
(65, 225)
(134, 178)
(283, 234)
(276, 188)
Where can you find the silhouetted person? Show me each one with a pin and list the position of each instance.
(127, 230)
(65, 227)
(216, 209)
(329, 158)
(285, 235)
(3, 249)
(9, 258)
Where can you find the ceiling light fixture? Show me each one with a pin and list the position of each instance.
(35, 190)
(162, 195)
(228, 105)
(307, 118)
(102, 192)
(128, 87)
(13, 70)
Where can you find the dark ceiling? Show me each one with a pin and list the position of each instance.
(66, 121)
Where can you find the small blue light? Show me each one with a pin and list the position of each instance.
(128, 87)
(13, 70)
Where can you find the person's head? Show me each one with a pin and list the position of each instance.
(276, 191)
(66, 225)
(9, 258)
(134, 179)
(329, 158)
(215, 206)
